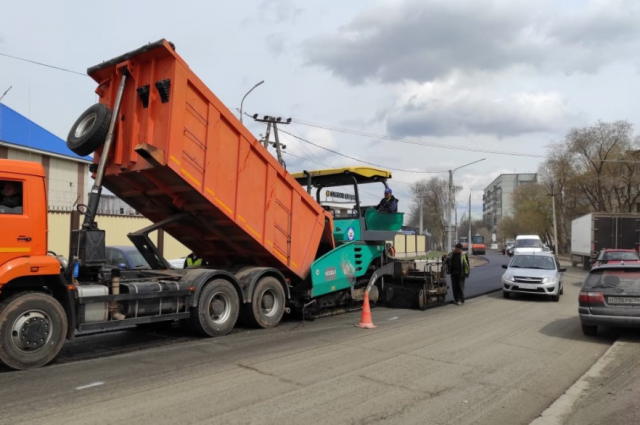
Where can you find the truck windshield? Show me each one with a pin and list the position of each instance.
(477, 239)
(528, 243)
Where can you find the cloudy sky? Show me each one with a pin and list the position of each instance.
(420, 86)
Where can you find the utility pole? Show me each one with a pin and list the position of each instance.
(555, 227)
(469, 240)
(449, 211)
(421, 202)
(273, 121)
(470, 190)
(450, 203)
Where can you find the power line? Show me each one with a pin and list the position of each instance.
(411, 142)
(312, 151)
(436, 145)
(361, 160)
(44, 64)
(326, 165)
(305, 159)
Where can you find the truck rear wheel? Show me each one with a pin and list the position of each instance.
(90, 130)
(217, 310)
(33, 327)
(267, 304)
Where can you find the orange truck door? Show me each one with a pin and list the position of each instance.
(23, 233)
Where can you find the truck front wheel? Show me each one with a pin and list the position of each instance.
(267, 304)
(217, 310)
(33, 326)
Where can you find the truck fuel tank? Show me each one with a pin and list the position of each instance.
(151, 306)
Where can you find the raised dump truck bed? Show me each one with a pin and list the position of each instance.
(177, 149)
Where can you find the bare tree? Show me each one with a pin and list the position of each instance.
(597, 153)
(433, 192)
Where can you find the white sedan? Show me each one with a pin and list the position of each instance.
(177, 263)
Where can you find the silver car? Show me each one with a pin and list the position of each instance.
(538, 274)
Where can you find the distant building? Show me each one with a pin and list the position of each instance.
(67, 174)
(497, 198)
(68, 184)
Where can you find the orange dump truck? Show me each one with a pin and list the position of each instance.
(181, 150)
(166, 145)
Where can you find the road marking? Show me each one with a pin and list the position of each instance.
(93, 384)
(393, 318)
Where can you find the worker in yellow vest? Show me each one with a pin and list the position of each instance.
(192, 261)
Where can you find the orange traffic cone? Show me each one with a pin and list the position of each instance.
(365, 319)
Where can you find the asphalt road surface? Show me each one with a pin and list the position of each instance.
(491, 361)
(484, 279)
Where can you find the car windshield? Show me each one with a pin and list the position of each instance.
(627, 279)
(528, 243)
(619, 256)
(138, 260)
(533, 262)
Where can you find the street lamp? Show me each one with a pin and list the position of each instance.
(451, 198)
(246, 96)
(469, 240)
(555, 227)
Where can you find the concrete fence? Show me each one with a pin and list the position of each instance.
(116, 228)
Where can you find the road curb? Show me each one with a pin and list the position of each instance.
(556, 413)
(482, 294)
(478, 257)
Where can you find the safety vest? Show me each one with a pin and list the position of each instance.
(191, 263)
(464, 260)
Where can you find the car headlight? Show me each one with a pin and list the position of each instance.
(549, 280)
(508, 278)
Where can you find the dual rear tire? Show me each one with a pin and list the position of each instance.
(267, 304)
(219, 307)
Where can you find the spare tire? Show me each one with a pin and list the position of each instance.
(90, 130)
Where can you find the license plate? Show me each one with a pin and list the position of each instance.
(623, 300)
(527, 286)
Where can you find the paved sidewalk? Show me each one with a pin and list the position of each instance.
(608, 393)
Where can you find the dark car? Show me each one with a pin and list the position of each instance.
(610, 296)
(613, 256)
(507, 249)
(125, 257)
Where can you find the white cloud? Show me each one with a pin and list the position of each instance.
(424, 41)
(450, 108)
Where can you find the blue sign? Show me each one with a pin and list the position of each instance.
(351, 234)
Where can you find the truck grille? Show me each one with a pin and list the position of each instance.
(532, 280)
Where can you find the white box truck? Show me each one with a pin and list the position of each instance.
(595, 231)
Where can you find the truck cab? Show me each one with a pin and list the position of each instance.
(23, 219)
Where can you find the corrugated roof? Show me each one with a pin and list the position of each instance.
(20, 131)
